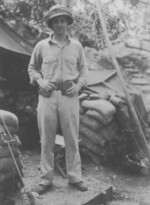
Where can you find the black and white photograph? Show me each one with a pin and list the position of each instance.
(74, 102)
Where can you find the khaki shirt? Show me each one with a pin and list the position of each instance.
(58, 63)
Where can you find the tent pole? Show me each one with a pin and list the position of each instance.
(142, 138)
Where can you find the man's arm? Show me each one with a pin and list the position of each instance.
(83, 70)
(83, 74)
(34, 66)
(34, 71)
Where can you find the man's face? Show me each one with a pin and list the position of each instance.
(60, 24)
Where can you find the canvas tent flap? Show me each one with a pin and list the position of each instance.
(103, 81)
(10, 40)
(98, 76)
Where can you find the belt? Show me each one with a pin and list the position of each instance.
(63, 86)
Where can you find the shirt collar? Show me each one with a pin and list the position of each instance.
(51, 39)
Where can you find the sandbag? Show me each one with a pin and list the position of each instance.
(122, 111)
(91, 135)
(6, 136)
(96, 96)
(104, 107)
(14, 141)
(93, 96)
(83, 96)
(96, 115)
(9, 118)
(116, 100)
(10, 129)
(90, 122)
(5, 152)
(95, 158)
(7, 164)
(82, 110)
(110, 131)
(109, 137)
(96, 149)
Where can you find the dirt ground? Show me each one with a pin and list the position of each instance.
(128, 189)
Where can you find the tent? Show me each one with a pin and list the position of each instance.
(11, 40)
(15, 54)
(104, 80)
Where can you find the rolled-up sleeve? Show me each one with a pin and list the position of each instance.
(35, 65)
(83, 70)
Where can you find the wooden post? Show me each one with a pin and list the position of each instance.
(143, 140)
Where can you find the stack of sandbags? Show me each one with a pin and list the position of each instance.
(9, 176)
(99, 130)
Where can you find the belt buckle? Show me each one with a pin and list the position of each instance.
(59, 86)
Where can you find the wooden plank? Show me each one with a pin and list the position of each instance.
(104, 195)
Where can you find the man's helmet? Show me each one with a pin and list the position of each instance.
(59, 10)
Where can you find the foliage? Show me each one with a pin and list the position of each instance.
(27, 17)
(28, 10)
(86, 27)
(135, 15)
(132, 2)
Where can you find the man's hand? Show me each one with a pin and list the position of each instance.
(45, 84)
(74, 89)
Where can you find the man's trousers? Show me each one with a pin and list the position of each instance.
(51, 111)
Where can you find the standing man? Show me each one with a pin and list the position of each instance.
(59, 68)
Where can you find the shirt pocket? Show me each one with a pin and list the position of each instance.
(70, 65)
(49, 66)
